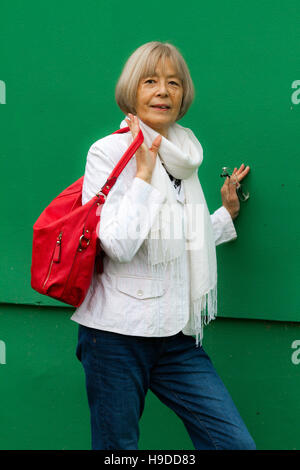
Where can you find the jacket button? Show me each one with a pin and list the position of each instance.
(139, 292)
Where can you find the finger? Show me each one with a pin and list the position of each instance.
(133, 124)
(233, 182)
(130, 127)
(156, 143)
(243, 170)
(244, 173)
(234, 176)
(233, 191)
(129, 121)
(229, 189)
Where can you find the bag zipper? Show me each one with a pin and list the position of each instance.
(55, 256)
(78, 249)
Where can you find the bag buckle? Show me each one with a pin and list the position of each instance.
(83, 247)
(102, 194)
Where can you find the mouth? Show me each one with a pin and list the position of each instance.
(161, 107)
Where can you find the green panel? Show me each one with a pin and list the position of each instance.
(43, 402)
(60, 63)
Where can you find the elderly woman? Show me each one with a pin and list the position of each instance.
(158, 288)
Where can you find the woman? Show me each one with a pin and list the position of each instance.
(158, 289)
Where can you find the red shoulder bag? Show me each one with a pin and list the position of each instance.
(66, 248)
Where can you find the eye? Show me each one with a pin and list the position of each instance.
(150, 80)
(174, 82)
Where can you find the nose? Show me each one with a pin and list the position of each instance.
(162, 89)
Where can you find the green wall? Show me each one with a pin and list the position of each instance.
(59, 65)
(43, 399)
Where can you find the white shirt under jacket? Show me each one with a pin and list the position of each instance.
(120, 299)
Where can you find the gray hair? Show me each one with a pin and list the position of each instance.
(142, 63)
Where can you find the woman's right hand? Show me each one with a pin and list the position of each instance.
(145, 158)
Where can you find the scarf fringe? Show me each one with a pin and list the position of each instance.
(203, 311)
(190, 258)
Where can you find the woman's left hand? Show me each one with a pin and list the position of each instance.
(229, 195)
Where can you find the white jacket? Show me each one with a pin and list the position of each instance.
(121, 299)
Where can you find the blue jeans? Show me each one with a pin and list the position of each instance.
(119, 370)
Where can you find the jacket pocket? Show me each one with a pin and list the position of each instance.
(140, 288)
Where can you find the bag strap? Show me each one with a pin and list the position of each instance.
(137, 142)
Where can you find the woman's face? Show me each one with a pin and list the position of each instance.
(159, 89)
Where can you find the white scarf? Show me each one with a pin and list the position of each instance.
(182, 154)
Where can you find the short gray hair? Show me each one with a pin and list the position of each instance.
(142, 63)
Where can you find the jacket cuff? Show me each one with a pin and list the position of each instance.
(223, 225)
(229, 228)
(143, 190)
